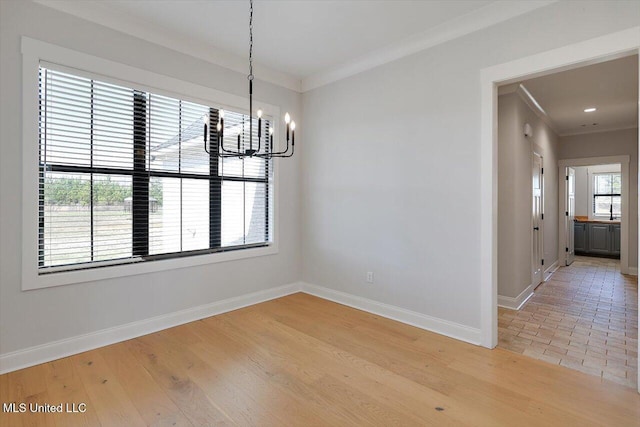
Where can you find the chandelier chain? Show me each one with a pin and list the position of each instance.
(250, 40)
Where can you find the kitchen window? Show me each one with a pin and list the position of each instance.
(607, 199)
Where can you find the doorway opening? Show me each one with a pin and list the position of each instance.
(604, 49)
(600, 207)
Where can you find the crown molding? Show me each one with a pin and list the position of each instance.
(533, 104)
(484, 17)
(602, 130)
(518, 89)
(101, 14)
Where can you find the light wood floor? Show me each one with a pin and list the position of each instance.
(304, 361)
(584, 317)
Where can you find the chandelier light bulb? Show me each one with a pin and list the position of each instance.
(259, 114)
(287, 118)
(218, 127)
(270, 131)
(221, 114)
(293, 125)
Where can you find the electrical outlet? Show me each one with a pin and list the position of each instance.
(369, 276)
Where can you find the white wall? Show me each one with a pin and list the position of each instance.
(615, 143)
(391, 164)
(515, 193)
(41, 316)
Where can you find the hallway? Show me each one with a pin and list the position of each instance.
(585, 317)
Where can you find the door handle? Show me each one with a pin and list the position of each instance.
(536, 228)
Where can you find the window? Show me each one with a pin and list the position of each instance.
(607, 200)
(123, 177)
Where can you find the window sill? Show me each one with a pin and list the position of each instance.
(605, 218)
(32, 280)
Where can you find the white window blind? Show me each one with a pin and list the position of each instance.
(124, 175)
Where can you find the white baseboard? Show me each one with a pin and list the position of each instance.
(78, 344)
(550, 270)
(517, 302)
(633, 271)
(423, 321)
(57, 349)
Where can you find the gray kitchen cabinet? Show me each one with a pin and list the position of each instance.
(597, 239)
(580, 244)
(615, 239)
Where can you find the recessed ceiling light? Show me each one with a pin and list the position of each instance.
(590, 110)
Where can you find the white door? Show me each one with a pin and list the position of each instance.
(538, 247)
(570, 215)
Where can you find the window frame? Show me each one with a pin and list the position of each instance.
(592, 174)
(36, 53)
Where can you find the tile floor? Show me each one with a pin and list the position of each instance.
(584, 317)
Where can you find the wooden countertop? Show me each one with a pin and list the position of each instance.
(596, 221)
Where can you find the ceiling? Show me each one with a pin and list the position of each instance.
(297, 42)
(299, 37)
(611, 87)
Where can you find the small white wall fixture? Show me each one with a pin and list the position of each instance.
(528, 132)
(593, 51)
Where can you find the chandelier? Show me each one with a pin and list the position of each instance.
(254, 148)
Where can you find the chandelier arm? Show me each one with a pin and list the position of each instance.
(279, 154)
(258, 149)
(220, 137)
(230, 153)
(205, 139)
(290, 154)
(285, 151)
(221, 145)
(293, 145)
